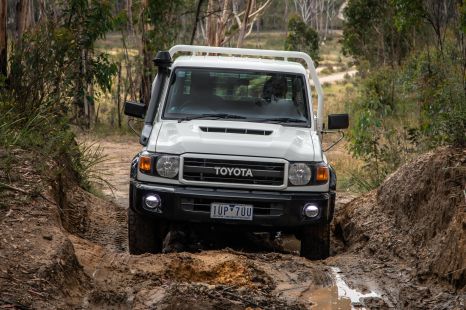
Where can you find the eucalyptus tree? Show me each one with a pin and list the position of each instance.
(3, 38)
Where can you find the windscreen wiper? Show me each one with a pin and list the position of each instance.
(280, 120)
(211, 115)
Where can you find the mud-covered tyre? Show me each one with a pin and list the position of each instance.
(315, 241)
(145, 235)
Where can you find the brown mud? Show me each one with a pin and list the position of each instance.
(400, 247)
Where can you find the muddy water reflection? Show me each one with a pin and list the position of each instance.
(339, 296)
(327, 298)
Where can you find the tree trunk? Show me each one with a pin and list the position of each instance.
(23, 17)
(42, 10)
(210, 24)
(128, 67)
(84, 113)
(30, 18)
(221, 24)
(146, 76)
(196, 20)
(286, 17)
(118, 95)
(129, 11)
(91, 104)
(3, 38)
(146, 80)
(244, 25)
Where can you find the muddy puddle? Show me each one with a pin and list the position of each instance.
(336, 294)
(339, 295)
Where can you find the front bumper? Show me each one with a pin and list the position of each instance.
(273, 210)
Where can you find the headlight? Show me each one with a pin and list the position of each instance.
(168, 166)
(299, 174)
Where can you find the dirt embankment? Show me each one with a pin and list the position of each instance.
(38, 265)
(415, 223)
(405, 242)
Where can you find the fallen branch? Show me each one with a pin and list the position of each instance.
(12, 304)
(461, 269)
(14, 188)
(20, 190)
(37, 293)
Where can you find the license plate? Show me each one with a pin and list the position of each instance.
(231, 211)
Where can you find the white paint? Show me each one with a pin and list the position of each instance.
(344, 291)
(240, 63)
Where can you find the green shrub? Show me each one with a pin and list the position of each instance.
(302, 37)
(45, 86)
(402, 111)
(435, 81)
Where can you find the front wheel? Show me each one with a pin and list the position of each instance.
(315, 241)
(145, 235)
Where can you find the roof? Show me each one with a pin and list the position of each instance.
(259, 64)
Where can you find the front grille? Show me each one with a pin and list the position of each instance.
(259, 208)
(233, 171)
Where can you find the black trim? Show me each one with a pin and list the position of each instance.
(333, 178)
(163, 59)
(338, 121)
(291, 203)
(236, 131)
(207, 170)
(135, 109)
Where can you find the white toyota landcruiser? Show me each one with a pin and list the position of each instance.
(230, 140)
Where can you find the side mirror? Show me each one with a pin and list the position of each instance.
(135, 109)
(338, 121)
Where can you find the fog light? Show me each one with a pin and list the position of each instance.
(152, 201)
(310, 210)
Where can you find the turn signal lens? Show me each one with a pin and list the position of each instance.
(145, 164)
(322, 174)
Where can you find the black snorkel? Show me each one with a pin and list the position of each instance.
(163, 61)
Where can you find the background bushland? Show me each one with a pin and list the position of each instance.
(411, 96)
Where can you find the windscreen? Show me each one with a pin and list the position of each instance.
(248, 95)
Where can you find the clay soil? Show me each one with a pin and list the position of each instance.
(62, 247)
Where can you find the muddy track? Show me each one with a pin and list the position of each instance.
(272, 270)
(376, 284)
(74, 255)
